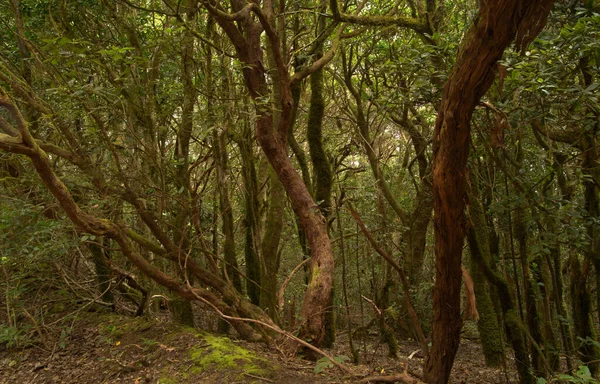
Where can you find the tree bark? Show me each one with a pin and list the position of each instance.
(495, 27)
(273, 141)
(489, 331)
(322, 171)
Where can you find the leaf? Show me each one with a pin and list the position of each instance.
(592, 87)
(584, 371)
(341, 358)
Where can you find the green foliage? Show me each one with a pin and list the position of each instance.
(325, 363)
(12, 336)
(581, 376)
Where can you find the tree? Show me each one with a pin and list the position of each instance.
(494, 29)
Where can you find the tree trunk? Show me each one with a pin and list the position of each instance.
(229, 255)
(273, 226)
(495, 27)
(581, 307)
(273, 141)
(531, 311)
(251, 219)
(580, 292)
(270, 255)
(512, 321)
(489, 331)
(102, 273)
(323, 174)
(182, 309)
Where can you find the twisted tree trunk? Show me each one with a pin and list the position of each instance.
(495, 27)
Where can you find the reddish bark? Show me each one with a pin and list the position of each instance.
(497, 25)
(273, 141)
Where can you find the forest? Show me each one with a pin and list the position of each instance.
(357, 191)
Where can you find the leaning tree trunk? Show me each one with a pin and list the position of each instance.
(273, 141)
(494, 29)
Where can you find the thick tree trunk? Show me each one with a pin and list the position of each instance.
(317, 296)
(495, 27)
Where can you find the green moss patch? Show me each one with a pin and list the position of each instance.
(221, 355)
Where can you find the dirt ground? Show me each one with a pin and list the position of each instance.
(102, 348)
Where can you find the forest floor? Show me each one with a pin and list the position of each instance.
(109, 348)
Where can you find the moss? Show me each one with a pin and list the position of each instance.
(221, 354)
(167, 380)
(489, 329)
(314, 278)
(388, 336)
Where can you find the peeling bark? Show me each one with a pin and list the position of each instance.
(496, 26)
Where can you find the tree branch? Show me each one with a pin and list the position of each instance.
(379, 21)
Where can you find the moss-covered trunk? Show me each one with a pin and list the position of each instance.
(581, 307)
(226, 213)
(273, 141)
(323, 174)
(512, 322)
(489, 330)
(531, 311)
(102, 273)
(182, 309)
(251, 219)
